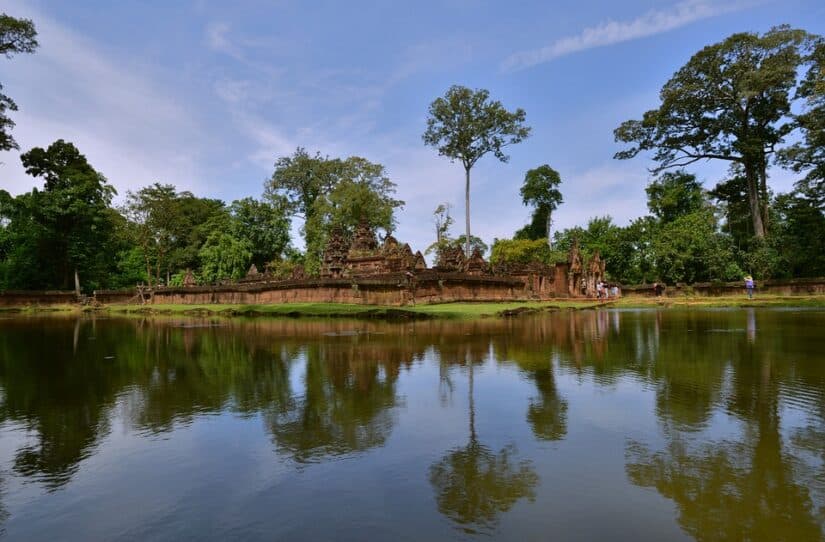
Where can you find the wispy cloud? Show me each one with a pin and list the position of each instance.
(130, 127)
(611, 32)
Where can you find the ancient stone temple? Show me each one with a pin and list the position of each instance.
(364, 257)
(476, 265)
(451, 259)
(575, 270)
(595, 273)
(253, 272)
(189, 279)
(335, 255)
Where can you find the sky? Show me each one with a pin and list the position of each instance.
(206, 95)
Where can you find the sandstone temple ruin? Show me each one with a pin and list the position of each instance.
(363, 270)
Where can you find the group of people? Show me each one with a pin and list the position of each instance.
(605, 291)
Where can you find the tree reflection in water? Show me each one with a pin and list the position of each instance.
(748, 487)
(346, 405)
(473, 484)
(739, 397)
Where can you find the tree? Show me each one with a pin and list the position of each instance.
(224, 257)
(808, 155)
(301, 179)
(801, 234)
(16, 36)
(690, 249)
(151, 210)
(443, 221)
(523, 251)
(329, 192)
(69, 220)
(465, 125)
(540, 189)
(263, 225)
(170, 227)
(361, 192)
(674, 194)
(730, 102)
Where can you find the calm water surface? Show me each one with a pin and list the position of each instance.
(618, 425)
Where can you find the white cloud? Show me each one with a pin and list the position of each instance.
(611, 32)
(611, 188)
(130, 128)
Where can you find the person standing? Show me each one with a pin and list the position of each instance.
(749, 286)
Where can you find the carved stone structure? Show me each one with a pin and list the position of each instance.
(189, 279)
(575, 285)
(335, 255)
(361, 270)
(364, 257)
(476, 264)
(451, 259)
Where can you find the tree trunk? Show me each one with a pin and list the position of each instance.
(751, 175)
(549, 222)
(76, 283)
(472, 407)
(467, 210)
(763, 193)
(148, 272)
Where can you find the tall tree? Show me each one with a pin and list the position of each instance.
(540, 189)
(465, 125)
(731, 102)
(71, 213)
(16, 36)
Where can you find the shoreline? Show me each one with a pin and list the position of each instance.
(442, 310)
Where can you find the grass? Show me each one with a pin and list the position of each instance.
(724, 301)
(32, 309)
(445, 310)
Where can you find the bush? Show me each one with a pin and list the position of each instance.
(524, 251)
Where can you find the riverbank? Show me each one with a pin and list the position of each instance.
(442, 310)
(332, 310)
(737, 301)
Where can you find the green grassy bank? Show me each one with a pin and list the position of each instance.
(445, 310)
(723, 301)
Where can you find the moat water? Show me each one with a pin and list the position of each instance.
(600, 424)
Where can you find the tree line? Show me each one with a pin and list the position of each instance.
(755, 102)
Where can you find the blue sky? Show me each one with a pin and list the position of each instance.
(207, 94)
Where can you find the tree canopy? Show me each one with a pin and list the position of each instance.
(16, 36)
(540, 190)
(731, 102)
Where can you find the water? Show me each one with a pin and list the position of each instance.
(619, 425)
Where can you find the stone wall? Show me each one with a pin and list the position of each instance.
(391, 289)
(789, 287)
(13, 298)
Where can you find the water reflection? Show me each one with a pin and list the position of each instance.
(473, 484)
(736, 402)
(346, 404)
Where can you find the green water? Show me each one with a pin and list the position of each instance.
(609, 424)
